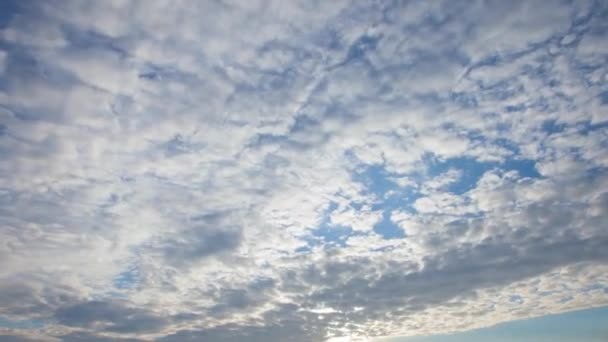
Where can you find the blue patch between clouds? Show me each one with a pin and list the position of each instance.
(390, 196)
(472, 170)
(376, 179)
(551, 127)
(387, 228)
(326, 233)
(588, 127)
(360, 46)
(333, 235)
(127, 279)
(525, 167)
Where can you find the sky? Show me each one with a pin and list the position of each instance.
(303, 171)
(582, 326)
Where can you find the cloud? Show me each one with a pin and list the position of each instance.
(302, 171)
(78, 337)
(206, 237)
(11, 338)
(109, 316)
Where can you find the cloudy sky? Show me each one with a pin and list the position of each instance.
(299, 171)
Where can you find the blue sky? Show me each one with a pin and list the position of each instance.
(305, 170)
(584, 325)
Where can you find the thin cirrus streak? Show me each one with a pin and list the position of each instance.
(299, 171)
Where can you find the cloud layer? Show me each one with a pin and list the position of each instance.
(299, 171)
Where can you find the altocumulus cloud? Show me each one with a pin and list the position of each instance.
(299, 170)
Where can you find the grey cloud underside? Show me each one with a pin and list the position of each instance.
(190, 171)
(118, 317)
(12, 338)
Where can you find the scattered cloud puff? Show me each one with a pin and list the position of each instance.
(299, 171)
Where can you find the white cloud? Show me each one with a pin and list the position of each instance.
(171, 163)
